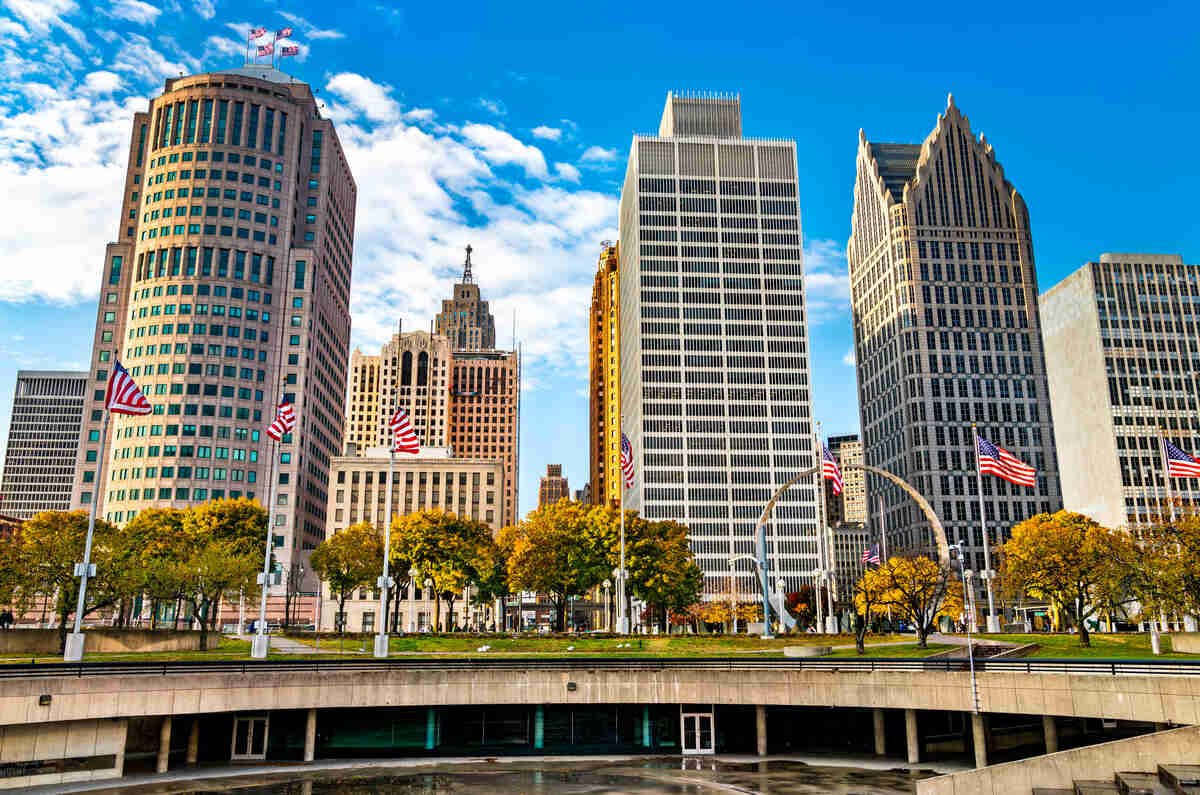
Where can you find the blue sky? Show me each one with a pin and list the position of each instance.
(507, 126)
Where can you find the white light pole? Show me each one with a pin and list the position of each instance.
(437, 615)
(780, 584)
(412, 598)
(607, 605)
(970, 649)
(732, 597)
(993, 621)
(969, 601)
(385, 582)
(262, 643)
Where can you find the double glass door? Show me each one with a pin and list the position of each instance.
(249, 737)
(696, 731)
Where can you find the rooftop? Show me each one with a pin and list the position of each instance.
(897, 165)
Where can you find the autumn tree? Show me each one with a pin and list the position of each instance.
(919, 591)
(871, 598)
(349, 559)
(158, 546)
(1065, 558)
(662, 571)
(452, 551)
(214, 568)
(239, 521)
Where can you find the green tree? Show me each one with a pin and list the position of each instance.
(350, 559)
(242, 522)
(216, 567)
(157, 545)
(920, 591)
(450, 550)
(662, 571)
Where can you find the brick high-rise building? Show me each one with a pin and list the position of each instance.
(362, 403)
(946, 333)
(226, 290)
(604, 409)
(465, 319)
(1123, 359)
(43, 442)
(714, 344)
(485, 414)
(553, 486)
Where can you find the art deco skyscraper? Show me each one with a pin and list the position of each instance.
(714, 347)
(226, 291)
(946, 333)
(604, 410)
(362, 403)
(465, 319)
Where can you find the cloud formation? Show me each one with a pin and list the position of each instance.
(547, 133)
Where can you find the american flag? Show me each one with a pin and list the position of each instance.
(266, 49)
(830, 469)
(285, 420)
(256, 33)
(871, 554)
(404, 438)
(997, 461)
(283, 33)
(626, 461)
(123, 395)
(1179, 463)
(285, 51)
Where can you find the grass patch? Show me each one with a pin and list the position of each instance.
(903, 650)
(1123, 645)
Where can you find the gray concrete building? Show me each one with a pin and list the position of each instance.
(43, 439)
(714, 344)
(851, 505)
(1123, 359)
(947, 333)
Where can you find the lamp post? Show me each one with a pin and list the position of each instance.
(780, 584)
(969, 598)
(970, 649)
(607, 605)
(412, 599)
(732, 598)
(437, 618)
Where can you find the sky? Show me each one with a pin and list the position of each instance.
(507, 126)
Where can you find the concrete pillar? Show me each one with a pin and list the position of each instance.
(430, 729)
(539, 727)
(979, 738)
(310, 736)
(880, 733)
(1050, 730)
(193, 749)
(760, 723)
(910, 734)
(164, 745)
(124, 734)
(647, 737)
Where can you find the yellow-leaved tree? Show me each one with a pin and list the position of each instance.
(919, 591)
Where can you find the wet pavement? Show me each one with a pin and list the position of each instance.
(641, 775)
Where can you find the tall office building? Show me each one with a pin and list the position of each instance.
(485, 414)
(43, 442)
(553, 486)
(413, 376)
(227, 290)
(1123, 359)
(946, 333)
(604, 427)
(851, 505)
(362, 403)
(714, 349)
(465, 319)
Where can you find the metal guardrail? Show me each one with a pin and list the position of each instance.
(1102, 667)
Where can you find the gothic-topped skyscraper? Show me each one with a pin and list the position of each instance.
(946, 333)
(465, 319)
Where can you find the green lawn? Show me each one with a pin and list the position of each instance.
(1124, 645)
(903, 650)
(220, 648)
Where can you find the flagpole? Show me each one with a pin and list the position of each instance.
(1162, 451)
(993, 623)
(819, 451)
(385, 582)
(261, 643)
(883, 541)
(73, 651)
(622, 616)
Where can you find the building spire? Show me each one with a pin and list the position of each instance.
(467, 277)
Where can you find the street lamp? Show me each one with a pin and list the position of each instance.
(412, 598)
(607, 605)
(969, 599)
(970, 649)
(429, 584)
(780, 584)
(620, 597)
(732, 597)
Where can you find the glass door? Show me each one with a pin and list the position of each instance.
(249, 737)
(696, 731)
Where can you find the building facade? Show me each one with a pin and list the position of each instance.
(413, 376)
(465, 319)
(485, 415)
(43, 442)
(947, 333)
(431, 480)
(714, 346)
(849, 541)
(851, 505)
(362, 402)
(226, 291)
(553, 486)
(604, 409)
(1123, 359)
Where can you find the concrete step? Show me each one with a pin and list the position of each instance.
(1182, 779)
(1052, 791)
(1141, 784)
(1096, 787)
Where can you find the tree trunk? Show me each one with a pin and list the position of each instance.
(62, 629)
(437, 612)
(449, 613)
(396, 610)
(1085, 640)
(178, 603)
(203, 623)
(153, 614)
(340, 618)
(922, 633)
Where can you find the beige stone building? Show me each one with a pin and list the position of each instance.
(604, 415)
(851, 505)
(413, 376)
(553, 486)
(465, 319)
(226, 291)
(432, 480)
(362, 404)
(1123, 358)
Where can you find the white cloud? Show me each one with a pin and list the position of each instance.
(43, 16)
(501, 148)
(567, 171)
(364, 97)
(548, 133)
(826, 280)
(10, 27)
(141, 59)
(310, 30)
(848, 358)
(222, 45)
(207, 9)
(493, 106)
(598, 154)
(101, 82)
(134, 11)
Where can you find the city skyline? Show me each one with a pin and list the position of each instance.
(537, 232)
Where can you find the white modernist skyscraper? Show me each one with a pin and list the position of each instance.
(714, 352)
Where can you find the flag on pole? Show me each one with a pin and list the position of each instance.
(285, 51)
(871, 555)
(285, 420)
(123, 395)
(626, 461)
(997, 461)
(830, 469)
(1179, 463)
(404, 438)
(283, 33)
(266, 49)
(256, 33)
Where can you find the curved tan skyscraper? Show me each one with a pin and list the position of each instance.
(227, 291)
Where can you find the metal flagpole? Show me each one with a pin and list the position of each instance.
(820, 473)
(385, 582)
(993, 622)
(622, 613)
(261, 643)
(73, 651)
(1162, 451)
(883, 545)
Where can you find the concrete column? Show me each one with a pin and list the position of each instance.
(647, 738)
(880, 733)
(910, 734)
(539, 727)
(1050, 730)
(310, 736)
(193, 750)
(120, 764)
(430, 728)
(164, 745)
(979, 738)
(760, 722)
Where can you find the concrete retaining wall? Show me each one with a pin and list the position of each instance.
(61, 752)
(1060, 770)
(1185, 642)
(45, 641)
